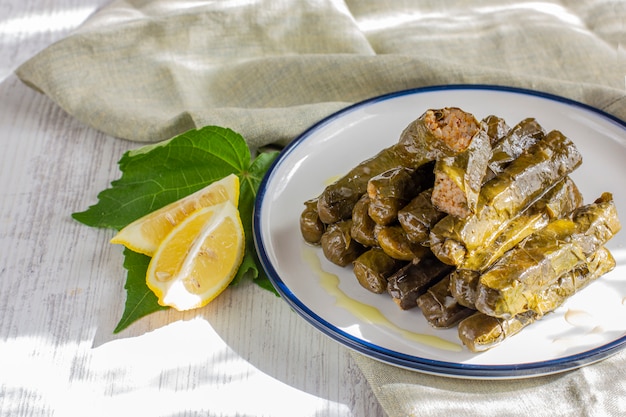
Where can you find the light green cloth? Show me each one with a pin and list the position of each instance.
(147, 70)
(598, 390)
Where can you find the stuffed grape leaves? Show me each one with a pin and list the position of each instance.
(436, 133)
(363, 228)
(394, 241)
(475, 223)
(337, 244)
(521, 137)
(497, 128)
(560, 200)
(505, 289)
(311, 227)
(481, 332)
(521, 183)
(412, 280)
(419, 216)
(372, 269)
(389, 192)
(440, 308)
(464, 286)
(458, 178)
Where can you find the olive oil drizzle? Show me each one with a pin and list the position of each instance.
(369, 313)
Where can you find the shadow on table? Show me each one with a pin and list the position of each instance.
(244, 336)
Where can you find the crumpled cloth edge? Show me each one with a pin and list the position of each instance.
(404, 392)
(289, 122)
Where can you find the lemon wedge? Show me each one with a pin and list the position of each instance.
(145, 234)
(198, 258)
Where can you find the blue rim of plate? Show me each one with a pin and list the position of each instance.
(416, 363)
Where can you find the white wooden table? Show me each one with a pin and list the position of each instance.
(62, 285)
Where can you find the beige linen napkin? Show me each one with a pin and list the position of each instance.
(596, 390)
(147, 70)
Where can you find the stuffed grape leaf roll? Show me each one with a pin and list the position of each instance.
(363, 228)
(393, 189)
(458, 178)
(412, 280)
(419, 216)
(338, 245)
(311, 227)
(372, 269)
(440, 308)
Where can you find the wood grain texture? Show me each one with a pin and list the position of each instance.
(61, 286)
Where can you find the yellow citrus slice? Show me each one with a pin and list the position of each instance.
(146, 233)
(198, 259)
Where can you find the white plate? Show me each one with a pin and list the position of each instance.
(588, 328)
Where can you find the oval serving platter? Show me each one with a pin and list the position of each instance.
(589, 327)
